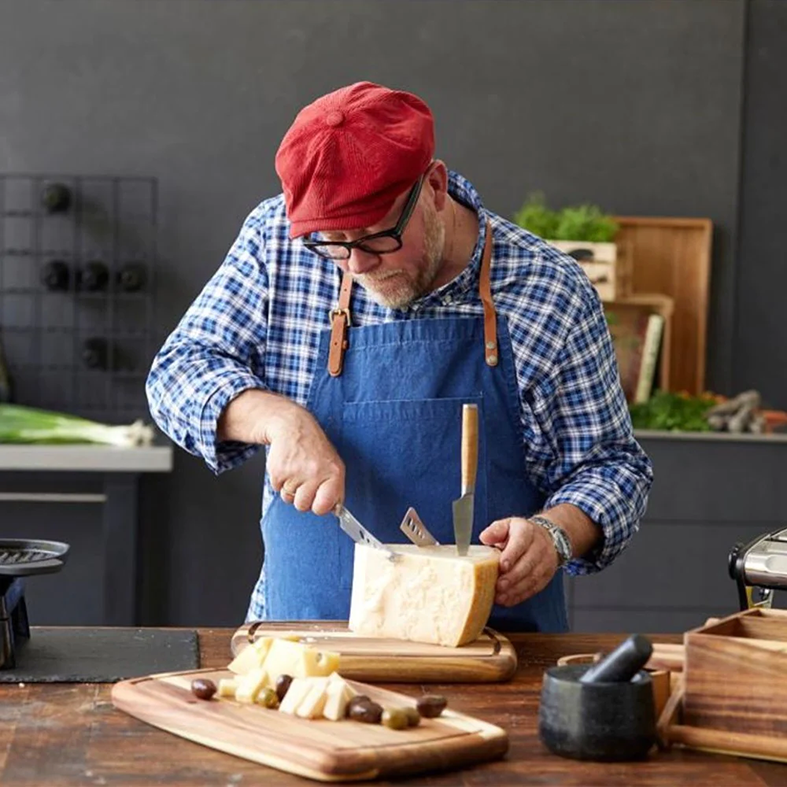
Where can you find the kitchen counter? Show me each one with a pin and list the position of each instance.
(70, 734)
(86, 474)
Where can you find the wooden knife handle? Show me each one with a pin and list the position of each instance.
(469, 444)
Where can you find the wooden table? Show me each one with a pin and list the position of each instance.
(70, 734)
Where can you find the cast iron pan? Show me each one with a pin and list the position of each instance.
(20, 557)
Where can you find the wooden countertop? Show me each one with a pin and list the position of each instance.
(70, 734)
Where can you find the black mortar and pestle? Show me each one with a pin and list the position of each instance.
(601, 711)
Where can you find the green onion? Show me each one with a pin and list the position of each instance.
(19, 424)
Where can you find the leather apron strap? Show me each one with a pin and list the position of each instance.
(340, 316)
(340, 323)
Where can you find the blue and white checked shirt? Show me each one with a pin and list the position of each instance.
(257, 322)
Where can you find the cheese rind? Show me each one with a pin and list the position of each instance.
(428, 594)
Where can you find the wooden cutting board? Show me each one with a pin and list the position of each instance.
(491, 658)
(318, 749)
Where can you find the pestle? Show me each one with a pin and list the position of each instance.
(622, 664)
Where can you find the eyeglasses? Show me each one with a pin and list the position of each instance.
(383, 242)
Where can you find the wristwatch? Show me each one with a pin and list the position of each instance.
(559, 539)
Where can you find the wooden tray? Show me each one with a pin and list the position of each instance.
(490, 659)
(318, 749)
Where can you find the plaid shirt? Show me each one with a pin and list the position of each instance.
(257, 322)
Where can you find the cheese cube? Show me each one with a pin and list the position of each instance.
(428, 594)
(299, 660)
(227, 687)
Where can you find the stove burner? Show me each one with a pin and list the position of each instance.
(19, 558)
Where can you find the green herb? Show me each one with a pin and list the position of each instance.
(585, 222)
(536, 217)
(20, 424)
(581, 222)
(673, 412)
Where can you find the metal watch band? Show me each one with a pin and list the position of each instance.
(559, 538)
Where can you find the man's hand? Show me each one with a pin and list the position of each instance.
(303, 466)
(528, 561)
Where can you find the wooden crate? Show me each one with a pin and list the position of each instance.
(735, 674)
(607, 265)
(672, 256)
(660, 304)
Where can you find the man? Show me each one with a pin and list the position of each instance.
(350, 321)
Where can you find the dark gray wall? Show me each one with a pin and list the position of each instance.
(760, 348)
(636, 106)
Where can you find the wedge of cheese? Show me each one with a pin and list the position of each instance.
(251, 657)
(428, 594)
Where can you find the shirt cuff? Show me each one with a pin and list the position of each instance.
(601, 501)
(222, 455)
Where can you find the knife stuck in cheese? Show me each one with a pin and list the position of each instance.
(428, 594)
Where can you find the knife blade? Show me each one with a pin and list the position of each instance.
(463, 507)
(358, 532)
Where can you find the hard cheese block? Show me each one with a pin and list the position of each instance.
(428, 594)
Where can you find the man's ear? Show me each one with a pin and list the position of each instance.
(437, 180)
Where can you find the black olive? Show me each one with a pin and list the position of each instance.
(368, 712)
(203, 688)
(283, 685)
(431, 706)
(358, 699)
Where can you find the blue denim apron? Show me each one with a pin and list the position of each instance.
(394, 415)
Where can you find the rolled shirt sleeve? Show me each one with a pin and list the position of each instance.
(214, 354)
(580, 443)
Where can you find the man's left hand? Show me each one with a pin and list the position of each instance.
(528, 561)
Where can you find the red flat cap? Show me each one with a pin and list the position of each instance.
(350, 154)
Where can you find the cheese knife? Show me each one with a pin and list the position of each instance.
(463, 507)
(358, 532)
(416, 530)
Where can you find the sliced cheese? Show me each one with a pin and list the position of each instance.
(250, 684)
(428, 594)
(312, 704)
(298, 690)
(251, 657)
(337, 695)
(299, 660)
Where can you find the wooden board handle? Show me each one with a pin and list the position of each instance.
(469, 444)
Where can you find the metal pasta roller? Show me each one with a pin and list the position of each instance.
(759, 567)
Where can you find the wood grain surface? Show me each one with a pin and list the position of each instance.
(490, 658)
(318, 749)
(70, 734)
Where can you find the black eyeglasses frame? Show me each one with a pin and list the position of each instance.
(395, 232)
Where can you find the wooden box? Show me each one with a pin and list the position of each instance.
(652, 358)
(607, 265)
(673, 256)
(735, 674)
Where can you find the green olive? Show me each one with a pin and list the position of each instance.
(268, 698)
(413, 716)
(395, 718)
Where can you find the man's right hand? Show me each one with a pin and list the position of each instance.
(303, 466)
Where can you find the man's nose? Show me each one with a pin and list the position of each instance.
(361, 262)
